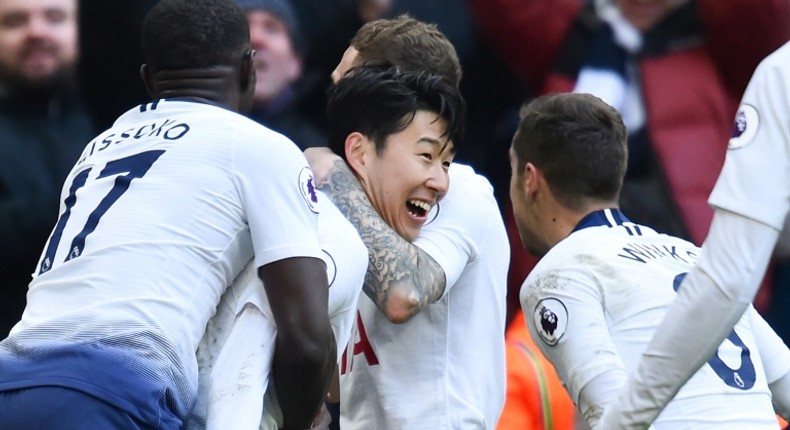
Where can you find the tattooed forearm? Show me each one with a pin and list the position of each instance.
(401, 278)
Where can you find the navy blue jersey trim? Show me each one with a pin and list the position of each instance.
(603, 218)
(144, 107)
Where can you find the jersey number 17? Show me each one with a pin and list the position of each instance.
(134, 166)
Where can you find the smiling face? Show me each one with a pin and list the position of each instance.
(38, 39)
(276, 63)
(410, 174)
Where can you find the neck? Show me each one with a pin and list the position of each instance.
(217, 86)
(562, 220)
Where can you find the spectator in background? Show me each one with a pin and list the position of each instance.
(275, 34)
(674, 69)
(43, 129)
(328, 26)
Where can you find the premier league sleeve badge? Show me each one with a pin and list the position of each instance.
(747, 121)
(307, 188)
(551, 319)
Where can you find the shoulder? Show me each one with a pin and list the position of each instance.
(254, 141)
(470, 195)
(778, 61)
(579, 259)
(564, 257)
(465, 175)
(254, 133)
(770, 77)
(469, 212)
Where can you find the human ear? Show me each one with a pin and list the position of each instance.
(248, 76)
(356, 148)
(531, 175)
(295, 69)
(147, 78)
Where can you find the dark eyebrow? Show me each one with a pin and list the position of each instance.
(442, 144)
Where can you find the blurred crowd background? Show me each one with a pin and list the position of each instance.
(675, 69)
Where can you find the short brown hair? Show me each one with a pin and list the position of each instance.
(408, 44)
(580, 144)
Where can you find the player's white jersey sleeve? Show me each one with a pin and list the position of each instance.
(755, 179)
(775, 354)
(564, 310)
(459, 224)
(284, 179)
(776, 361)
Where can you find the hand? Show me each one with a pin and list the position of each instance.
(321, 160)
(322, 419)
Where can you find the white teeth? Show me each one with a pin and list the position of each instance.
(421, 204)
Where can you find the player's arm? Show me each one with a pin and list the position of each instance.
(281, 208)
(304, 354)
(578, 344)
(401, 278)
(776, 361)
(711, 299)
(780, 396)
(734, 257)
(347, 259)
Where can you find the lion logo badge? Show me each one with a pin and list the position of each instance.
(551, 319)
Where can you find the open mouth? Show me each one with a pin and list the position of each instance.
(418, 208)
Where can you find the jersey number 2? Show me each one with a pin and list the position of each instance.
(134, 166)
(741, 378)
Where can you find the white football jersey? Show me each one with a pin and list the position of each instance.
(444, 368)
(235, 354)
(593, 303)
(755, 179)
(158, 216)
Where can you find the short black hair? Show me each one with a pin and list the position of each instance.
(194, 34)
(379, 101)
(580, 144)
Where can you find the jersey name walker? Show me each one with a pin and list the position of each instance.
(157, 218)
(444, 368)
(593, 303)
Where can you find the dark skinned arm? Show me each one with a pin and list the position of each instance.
(305, 350)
